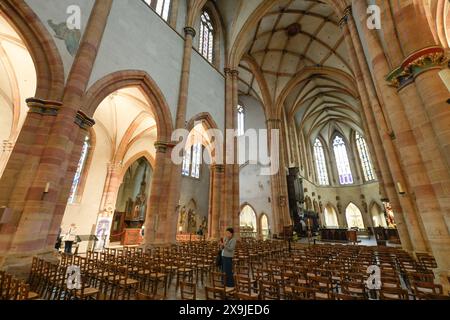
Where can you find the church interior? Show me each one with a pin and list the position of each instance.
(224, 150)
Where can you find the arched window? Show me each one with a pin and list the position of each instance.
(342, 163)
(206, 46)
(354, 217)
(240, 120)
(192, 160)
(80, 168)
(366, 164)
(162, 7)
(321, 165)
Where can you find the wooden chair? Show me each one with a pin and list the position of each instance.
(355, 289)
(302, 293)
(244, 288)
(86, 292)
(393, 294)
(342, 296)
(24, 293)
(269, 290)
(124, 285)
(218, 280)
(188, 290)
(212, 293)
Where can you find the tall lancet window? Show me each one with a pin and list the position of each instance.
(79, 172)
(321, 165)
(240, 120)
(162, 7)
(192, 160)
(186, 167)
(206, 46)
(366, 164)
(342, 163)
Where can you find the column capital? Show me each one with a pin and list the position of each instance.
(83, 121)
(347, 14)
(416, 63)
(163, 146)
(231, 72)
(43, 107)
(219, 168)
(273, 120)
(189, 31)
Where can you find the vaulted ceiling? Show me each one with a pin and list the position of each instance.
(298, 57)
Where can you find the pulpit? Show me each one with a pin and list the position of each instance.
(131, 237)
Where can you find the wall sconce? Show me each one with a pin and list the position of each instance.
(400, 188)
(47, 187)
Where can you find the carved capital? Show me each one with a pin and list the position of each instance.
(414, 64)
(163, 147)
(43, 107)
(218, 168)
(231, 72)
(83, 121)
(347, 14)
(190, 31)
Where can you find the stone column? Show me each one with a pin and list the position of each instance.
(280, 209)
(417, 186)
(217, 172)
(425, 94)
(381, 136)
(156, 224)
(230, 201)
(39, 210)
(162, 222)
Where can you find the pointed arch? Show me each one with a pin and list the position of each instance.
(354, 216)
(42, 48)
(127, 78)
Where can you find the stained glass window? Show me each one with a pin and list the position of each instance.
(187, 162)
(79, 172)
(206, 37)
(196, 160)
(343, 165)
(366, 164)
(240, 120)
(192, 160)
(321, 165)
(162, 7)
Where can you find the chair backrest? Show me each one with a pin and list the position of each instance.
(188, 290)
(214, 293)
(393, 294)
(302, 293)
(218, 279)
(269, 290)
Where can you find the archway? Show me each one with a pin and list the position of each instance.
(354, 216)
(331, 220)
(126, 131)
(247, 222)
(265, 229)
(378, 218)
(131, 204)
(18, 81)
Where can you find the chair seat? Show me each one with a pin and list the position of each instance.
(32, 295)
(128, 282)
(144, 271)
(229, 289)
(158, 275)
(87, 292)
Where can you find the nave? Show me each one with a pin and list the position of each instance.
(263, 270)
